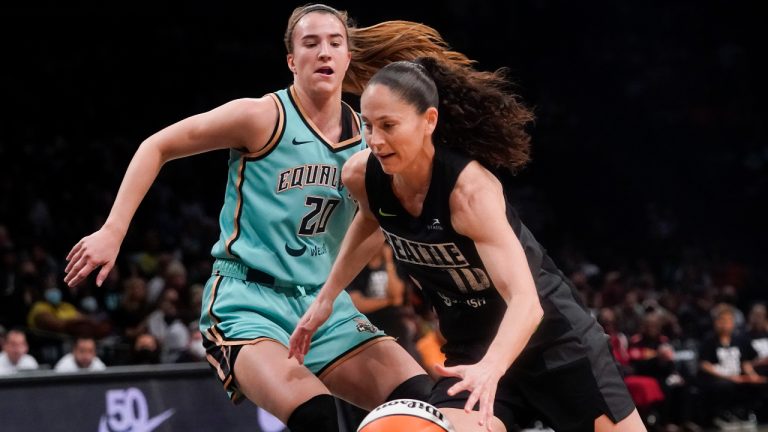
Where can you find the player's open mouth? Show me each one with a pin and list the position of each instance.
(325, 71)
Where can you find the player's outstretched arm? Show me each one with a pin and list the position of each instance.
(243, 124)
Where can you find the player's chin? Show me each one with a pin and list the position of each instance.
(389, 164)
(329, 83)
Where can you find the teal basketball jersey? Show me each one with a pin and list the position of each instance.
(285, 210)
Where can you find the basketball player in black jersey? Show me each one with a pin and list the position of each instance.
(519, 341)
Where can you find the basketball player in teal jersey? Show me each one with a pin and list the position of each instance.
(284, 215)
(519, 342)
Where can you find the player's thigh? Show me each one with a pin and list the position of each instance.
(271, 380)
(366, 377)
(470, 422)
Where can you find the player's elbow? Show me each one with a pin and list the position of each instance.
(537, 312)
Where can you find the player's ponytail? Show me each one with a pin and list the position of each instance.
(478, 116)
(376, 46)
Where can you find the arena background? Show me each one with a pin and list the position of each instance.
(650, 148)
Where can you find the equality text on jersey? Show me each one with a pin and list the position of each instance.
(309, 175)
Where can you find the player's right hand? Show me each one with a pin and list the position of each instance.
(96, 250)
(316, 315)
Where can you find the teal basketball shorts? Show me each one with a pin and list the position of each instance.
(239, 309)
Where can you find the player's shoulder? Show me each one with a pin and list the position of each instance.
(475, 181)
(257, 107)
(353, 172)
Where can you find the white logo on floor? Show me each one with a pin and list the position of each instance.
(127, 411)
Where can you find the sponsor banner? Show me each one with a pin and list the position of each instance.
(161, 398)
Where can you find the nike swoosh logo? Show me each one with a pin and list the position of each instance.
(297, 142)
(150, 425)
(385, 214)
(155, 421)
(295, 252)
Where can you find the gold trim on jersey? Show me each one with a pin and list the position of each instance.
(348, 355)
(294, 97)
(238, 208)
(276, 134)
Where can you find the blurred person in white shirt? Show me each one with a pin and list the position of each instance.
(15, 357)
(82, 358)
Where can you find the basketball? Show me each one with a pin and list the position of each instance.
(405, 415)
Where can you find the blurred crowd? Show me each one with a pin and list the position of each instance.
(692, 340)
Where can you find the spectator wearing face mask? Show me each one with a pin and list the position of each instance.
(145, 350)
(53, 314)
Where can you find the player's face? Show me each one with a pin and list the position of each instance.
(394, 130)
(320, 56)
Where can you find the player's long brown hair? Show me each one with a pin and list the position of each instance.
(378, 45)
(477, 114)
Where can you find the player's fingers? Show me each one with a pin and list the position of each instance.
(486, 407)
(75, 250)
(103, 273)
(73, 261)
(305, 343)
(299, 357)
(453, 371)
(74, 271)
(471, 402)
(295, 343)
(82, 274)
(458, 388)
(71, 272)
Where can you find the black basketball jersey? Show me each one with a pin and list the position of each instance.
(447, 268)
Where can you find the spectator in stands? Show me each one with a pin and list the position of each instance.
(695, 313)
(730, 295)
(195, 351)
(618, 340)
(156, 282)
(82, 358)
(15, 357)
(757, 330)
(645, 390)
(379, 292)
(145, 350)
(129, 318)
(16, 278)
(729, 383)
(53, 314)
(651, 354)
(629, 314)
(164, 324)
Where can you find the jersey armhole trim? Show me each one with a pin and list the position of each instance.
(277, 132)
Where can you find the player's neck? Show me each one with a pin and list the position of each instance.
(412, 183)
(323, 109)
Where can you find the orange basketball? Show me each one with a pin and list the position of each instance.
(405, 415)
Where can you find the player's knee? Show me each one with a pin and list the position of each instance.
(417, 387)
(315, 415)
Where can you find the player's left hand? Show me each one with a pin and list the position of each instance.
(317, 314)
(478, 379)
